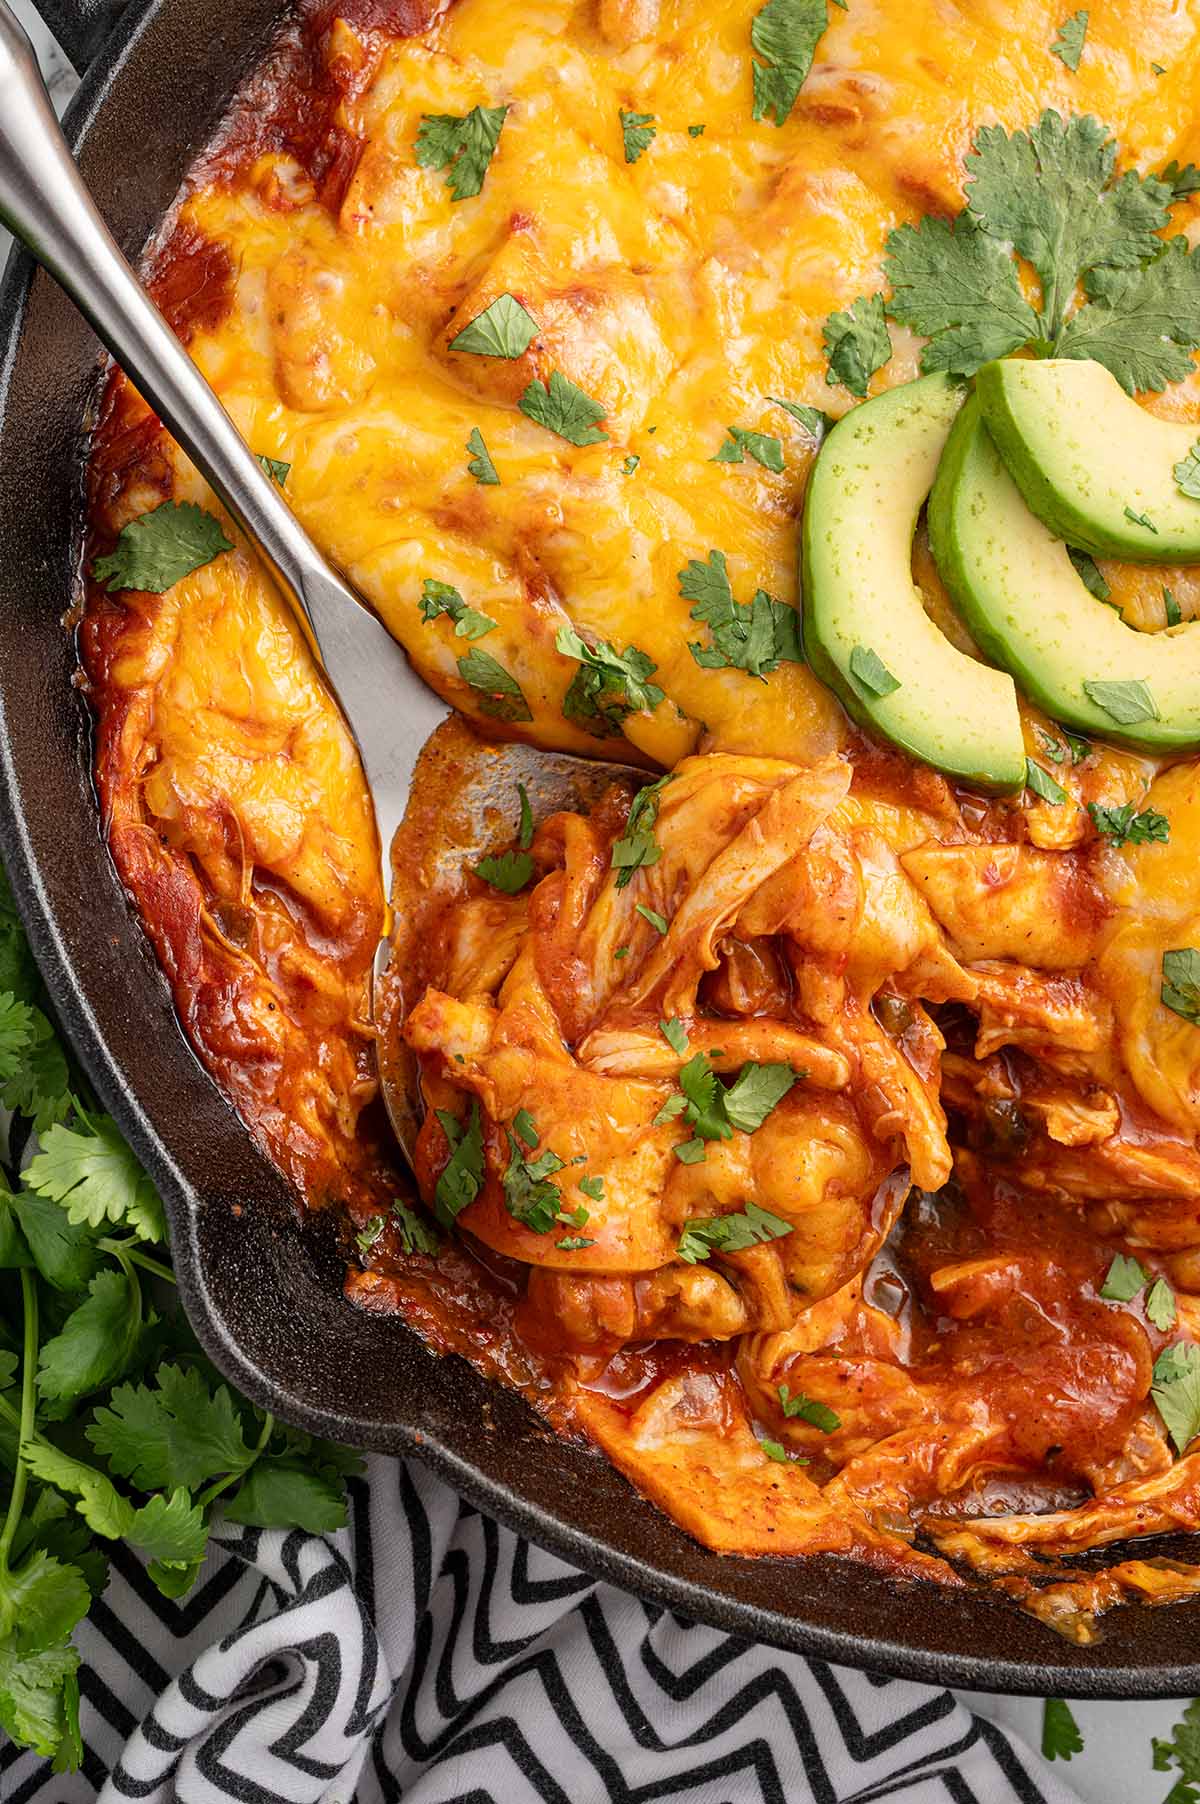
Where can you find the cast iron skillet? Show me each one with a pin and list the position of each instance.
(262, 1292)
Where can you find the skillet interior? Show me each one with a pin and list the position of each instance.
(263, 1293)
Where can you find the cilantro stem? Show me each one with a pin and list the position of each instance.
(124, 1249)
(16, 1502)
(223, 1484)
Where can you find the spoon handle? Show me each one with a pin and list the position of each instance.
(44, 203)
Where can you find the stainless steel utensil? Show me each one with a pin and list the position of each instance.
(388, 708)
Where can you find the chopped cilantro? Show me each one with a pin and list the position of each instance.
(1171, 608)
(1140, 520)
(1061, 1739)
(525, 828)
(1080, 748)
(1176, 1392)
(416, 1236)
(529, 1196)
(1180, 990)
(675, 1034)
(462, 1177)
(1187, 474)
(764, 449)
(462, 145)
(160, 548)
(1160, 1305)
(525, 1128)
(774, 1450)
(638, 132)
(1121, 825)
(785, 35)
(856, 344)
(631, 463)
(1124, 1279)
(637, 846)
(871, 673)
(1158, 68)
(752, 1226)
(369, 1233)
(755, 636)
(713, 1110)
(593, 1187)
(657, 921)
(479, 463)
(500, 695)
(504, 329)
(815, 422)
(277, 471)
(509, 871)
(573, 1243)
(809, 1410)
(608, 686)
(1068, 45)
(442, 598)
(1054, 749)
(1088, 572)
(695, 131)
(564, 409)
(1042, 784)
(1126, 702)
(1181, 182)
(755, 1092)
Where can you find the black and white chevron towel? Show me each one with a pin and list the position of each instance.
(427, 1655)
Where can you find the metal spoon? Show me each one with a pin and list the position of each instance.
(388, 708)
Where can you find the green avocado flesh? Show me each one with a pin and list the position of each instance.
(1019, 594)
(871, 478)
(1086, 458)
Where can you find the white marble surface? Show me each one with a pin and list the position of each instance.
(1114, 1767)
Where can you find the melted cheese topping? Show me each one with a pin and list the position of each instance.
(320, 275)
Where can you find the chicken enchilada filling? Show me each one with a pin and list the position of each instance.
(812, 1123)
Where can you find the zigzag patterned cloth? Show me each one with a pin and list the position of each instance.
(429, 1655)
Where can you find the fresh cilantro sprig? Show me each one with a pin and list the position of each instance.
(1126, 1278)
(161, 547)
(736, 1233)
(116, 1428)
(739, 444)
(439, 598)
(1125, 826)
(1061, 1739)
(1052, 196)
(785, 35)
(1181, 1751)
(608, 686)
(755, 636)
(461, 145)
(713, 1109)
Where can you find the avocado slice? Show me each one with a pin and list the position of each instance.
(866, 632)
(1095, 467)
(1019, 593)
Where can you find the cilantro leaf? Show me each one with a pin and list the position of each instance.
(755, 636)
(755, 1092)
(638, 132)
(1142, 324)
(92, 1172)
(637, 846)
(1089, 574)
(764, 449)
(1187, 473)
(35, 1698)
(1181, 182)
(1126, 1276)
(96, 1341)
(274, 468)
(957, 287)
(857, 344)
(1068, 45)
(1043, 784)
(64, 1252)
(564, 409)
(705, 1235)
(464, 145)
(280, 1493)
(631, 463)
(500, 695)
(808, 1410)
(160, 548)
(657, 921)
(503, 329)
(41, 1602)
(16, 1035)
(479, 463)
(509, 872)
(1183, 1751)
(171, 1529)
(675, 1034)
(416, 1235)
(1176, 1392)
(1125, 702)
(462, 1177)
(871, 673)
(609, 686)
(1049, 192)
(593, 1187)
(529, 1196)
(1180, 990)
(369, 1233)
(443, 598)
(785, 34)
(1121, 825)
(39, 1088)
(1171, 608)
(98, 1501)
(811, 419)
(1061, 1739)
(1160, 1305)
(525, 825)
(180, 1432)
